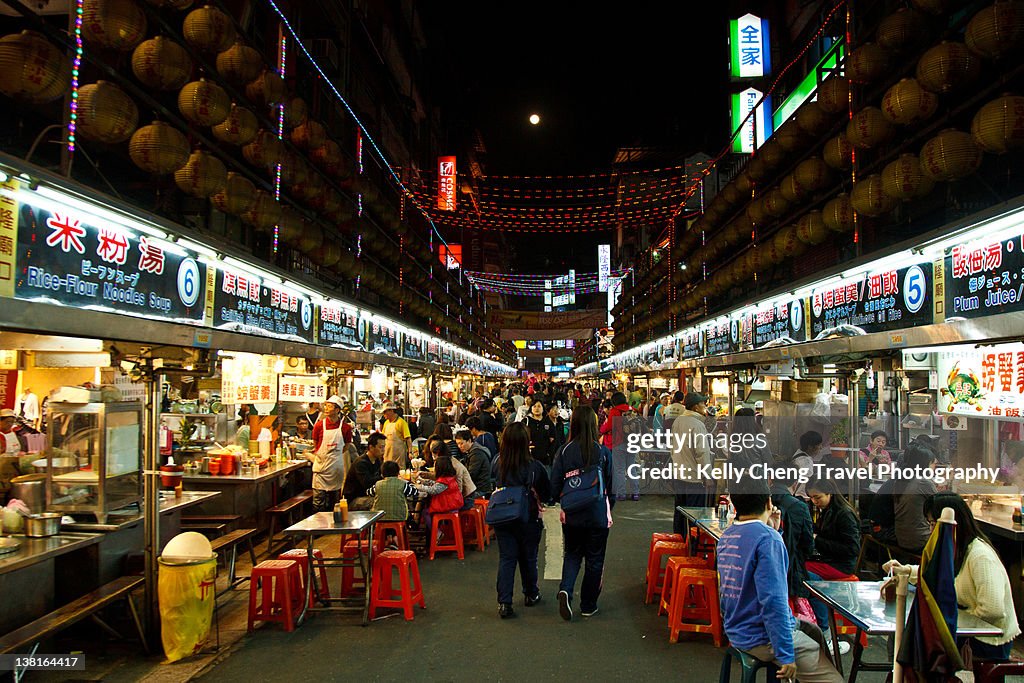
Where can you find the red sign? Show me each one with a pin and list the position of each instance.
(446, 183)
(8, 388)
(451, 256)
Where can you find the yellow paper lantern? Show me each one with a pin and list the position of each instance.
(264, 213)
(998, 126)
(106, 113)
(266, 89)
(756, 211)
(902, 30)
(771, 154)
(813, 119)
(161, 64)
(838, 152)
(868, 198)
(907, 103)
(867, 64)
(296, 111)
(312, 238)
(310, 188)
(834, 94)
(773, 255)
(327, 256)
(173, 4)
(731, 194)
(309, 136)
(936, 7)
(811, 229)
(787, 242)
(838, 214)
(792, 192)
(239, 128)
(264, 151)
(738, 231)
(811, 175)
(113, 24)
(239, 64)
(757, 169)
(776, 204)
(950, 155)
(791, 137)
(203, 103)
(947, 67)
(237, 197)
(158, 148)
(997, 30)
(744, 184)
(202, 176)
(34, 70)
(290, 225)
(207, 29)
(868, 128)
(904, 179)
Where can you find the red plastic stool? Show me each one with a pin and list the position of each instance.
(349, 581)
(702, 543)
(301, 556)
(452, 518)
(661, 536)
(672, 567)
(384, 593)
(380, 534)
(473, 523)
(655, 573)
(280, 583)
(690, 617)
(481, 504)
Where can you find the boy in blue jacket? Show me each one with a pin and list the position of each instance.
(752, 572)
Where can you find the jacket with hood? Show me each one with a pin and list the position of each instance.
(691, 445)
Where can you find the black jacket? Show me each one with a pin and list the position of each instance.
(542, 433)
(535, 472)
(478, 462)
(363, 474)
(838, 540)
(571, 459)
(798, 535)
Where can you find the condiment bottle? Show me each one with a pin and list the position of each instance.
(343, 509)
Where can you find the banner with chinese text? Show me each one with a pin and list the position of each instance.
(412, 347)
(982, 382)
(877, 302)
(243, 303)
(339, 327)
(781, 321)
(985, 279)
(382, 339)
(248, 378)
(302, 389)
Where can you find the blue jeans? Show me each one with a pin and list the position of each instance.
(518, 545)
(583, 543)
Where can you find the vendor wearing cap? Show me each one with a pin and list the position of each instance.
(399, 438)
(328, 461)
(11, 444)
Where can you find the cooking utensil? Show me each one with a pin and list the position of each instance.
(31, 490)
(60, 465)
(43, 525)
(9, 545)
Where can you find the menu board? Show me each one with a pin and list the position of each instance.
(781, 321)
(248, 378)
(447, 357)
(650, 355)
(433, 352)
(412, 347)
(243, 303)
(722, 337)
(986, 382)
(668, 351)
(382, 339)
(985, 279)
(692, 343)
(62, 259)
(879, 301)
(339, 327)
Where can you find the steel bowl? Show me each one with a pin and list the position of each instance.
(60, 465)
(43, 525)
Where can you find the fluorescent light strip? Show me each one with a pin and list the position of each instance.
(98, 211)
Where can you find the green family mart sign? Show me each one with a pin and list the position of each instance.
(806, 88)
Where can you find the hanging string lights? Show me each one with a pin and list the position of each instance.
(75, 68)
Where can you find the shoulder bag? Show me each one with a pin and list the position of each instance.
(509, 504)
(585, 488)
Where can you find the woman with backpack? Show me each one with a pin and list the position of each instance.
(519, 540)
(585, 523)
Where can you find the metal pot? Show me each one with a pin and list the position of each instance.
(60, 465)
(42, 525)
(31, 490)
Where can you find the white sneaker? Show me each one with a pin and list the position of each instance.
(844, 647)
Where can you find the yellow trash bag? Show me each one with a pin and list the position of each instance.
(186, 592)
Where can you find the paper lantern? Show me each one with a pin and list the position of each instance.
(312, 238)
(813, 119)
(837, 215)
(290, 225)
(106, 113)
(936, 7)
(266, 89)
(755, 259)
(161, 64)
(239, 64)
(202, 176)
(731, 194)
(113, 24)
(264, 213)
(907, 103)
(328, 255)
(203, 103)
(738, 231)
(264, 151)
(902, 30)
(810, 229)
(757, 212)
(207, 29)
(787, 242)
(834, 95)
(294, 170)
(757, 169)
(790, 137)
(238, 128)
(237, 197)
(310, 188)
(868, 198)
(947, 67)
(811, 175)
(296, 111)
(838, 152)
(34, 70)
(868, 128)
(158, 148)
(790, 190)
(904, 179)
(772, 154)
(776, 204)
(173, 4)
(950, 155)
(867, 63)
(998, 126)
(773, 255)
(997, 30)
(309, 136)
(744, 184)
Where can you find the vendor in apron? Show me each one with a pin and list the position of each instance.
(329, 467)
(399, 438)
(11, 444)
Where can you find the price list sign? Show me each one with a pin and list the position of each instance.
(243, 303)
(779, 321)
(412, 347)
(985, 278)
(382, 339)
(339, 327)
(879, 301)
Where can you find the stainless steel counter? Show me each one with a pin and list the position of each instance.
(120, 519)
(36, 550)
(264, 474)
(992, 522)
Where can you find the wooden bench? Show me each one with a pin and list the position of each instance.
(286, 509)
(229, 520)
(61, 618)
(209, 528)
(229, 543)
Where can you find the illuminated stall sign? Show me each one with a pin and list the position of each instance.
(447, 356)
(985, 278)
(693, 344)
(753, 130)
(749, 47)
(412, 347)
(243, 303)
(382, 339)
(985, 382)
(668, 351)
(878, 301)
(446, 180)
(249, 378)
(723, 337)
(433, 351)
(604, 266)
(302, 389)
(780, 321)
(62, 259)
(339, 327)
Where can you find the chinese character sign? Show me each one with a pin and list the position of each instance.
(749, 47)
(982, 382)
(8, 237)
(339, 327)
(878, 301)
(446, 182)
(249, 378)
(302, 389)
(604, 266)
(244, 303)
(985, 278)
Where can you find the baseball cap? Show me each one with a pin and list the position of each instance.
(693, 399)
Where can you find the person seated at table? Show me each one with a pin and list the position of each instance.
(478, 462)
(364, 473)
(444, 433)
(874, 453)
(982, 584)
(445, 494)
(466, 485)
(909, 495)
(803, 459)
(797, 532)
(836, 543)
(391, 495)
(754, 595)
(481, 436)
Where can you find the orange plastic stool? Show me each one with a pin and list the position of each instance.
(380, 534)
(279, 582)
(384, 593)
(660, 536)
(473, 523)
(481, 504)
(672, 567)
(349, 581)
(301, 556)
(455, 545)
(690, 617)
(702, 542)
(655, 573)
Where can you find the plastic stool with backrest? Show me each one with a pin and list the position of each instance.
(481, 504)
(690, 617)
(279, 583)
(380, 533)
(301, 555)
(384, 594)
(455, 543)
(674, 564)
(749, 666)
(473, 527)
(655, 572)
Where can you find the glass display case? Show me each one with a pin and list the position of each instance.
(94, 457)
